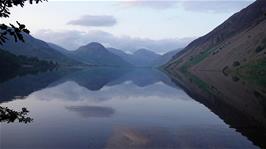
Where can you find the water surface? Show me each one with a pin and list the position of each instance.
(115, 108)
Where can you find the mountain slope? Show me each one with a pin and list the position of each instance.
(33, 47)
(95, 53)
(239, 41)
(12, 65)
(140, 58)
(165, 57)
(59, 49)
(144, 57)
(64, 51)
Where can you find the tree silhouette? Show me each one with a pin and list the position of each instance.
(6, 114)
(13, 30)
(10, 116)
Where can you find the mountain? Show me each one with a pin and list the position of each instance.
(238, 44)
(120, 53)
(144, 57)
(140, 58)
(95, 53)
(59, 49)
(63, 51)
(33, 47)
(165, 57)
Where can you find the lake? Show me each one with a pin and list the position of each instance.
(133, 108)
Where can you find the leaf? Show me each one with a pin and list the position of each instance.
(26, 31)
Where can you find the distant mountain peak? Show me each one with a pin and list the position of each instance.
(96, 53)
(95, 45)
(141, 51)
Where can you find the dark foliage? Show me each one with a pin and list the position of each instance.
(10, 116)
(12, 65)
(13, 30)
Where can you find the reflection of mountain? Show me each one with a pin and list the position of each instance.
(94, 78)
(144, 77)
(240, 104)
(161, 137)
(25, 85)
(98, 77)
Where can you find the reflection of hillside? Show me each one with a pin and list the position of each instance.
(239, 104)
(25, 85)
(126, 137)
(143, 77)
(93, 79)
(96, 78)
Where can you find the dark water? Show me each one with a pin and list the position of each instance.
(134, 108)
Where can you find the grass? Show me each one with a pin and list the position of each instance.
(255, 72)
(201, 84)
(196, 59)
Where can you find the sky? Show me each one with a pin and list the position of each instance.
(129, 25)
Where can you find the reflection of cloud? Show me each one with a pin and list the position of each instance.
(126, 43)
(90, 20)
(154, 84)
(71, 91)
(92, 111)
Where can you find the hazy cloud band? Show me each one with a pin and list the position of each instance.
(94, 20)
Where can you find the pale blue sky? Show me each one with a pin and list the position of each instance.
(158, 25)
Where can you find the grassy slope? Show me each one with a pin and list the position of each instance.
(253, 72)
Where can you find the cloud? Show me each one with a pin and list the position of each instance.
(94, 20)
(72, 39)
(215, 6)
(205, 6)
(154, 4)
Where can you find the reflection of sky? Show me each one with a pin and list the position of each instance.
(69, 115)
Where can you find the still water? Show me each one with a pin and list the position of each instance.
(116, 108)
